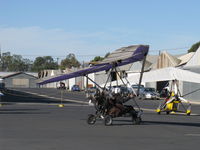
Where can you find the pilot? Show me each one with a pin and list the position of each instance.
(117, 105)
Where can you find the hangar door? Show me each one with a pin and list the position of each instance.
(21, 83)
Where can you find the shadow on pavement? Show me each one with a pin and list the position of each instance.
(11, 96)
(118, 122)
(22, 111)
(188, 124)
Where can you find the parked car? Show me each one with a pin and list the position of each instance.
(150, 93)
(124, 91)
(90, 92)
(75, 88)
(135, 88)
(2, 86)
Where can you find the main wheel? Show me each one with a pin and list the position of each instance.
(136, 120)
(108, 120)
(188, 114)
(91, 119)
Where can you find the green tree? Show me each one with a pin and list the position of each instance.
(194, 47)
(45, 62)
(69, 62)
(14, 63)
(97, 58)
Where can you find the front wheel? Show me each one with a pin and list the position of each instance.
(91, 119)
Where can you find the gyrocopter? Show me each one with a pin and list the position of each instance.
(175, 102)
(108, 104)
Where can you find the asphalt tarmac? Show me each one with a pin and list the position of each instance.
(29, 122)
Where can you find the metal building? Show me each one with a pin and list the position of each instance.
(193, 89)
(20, 80)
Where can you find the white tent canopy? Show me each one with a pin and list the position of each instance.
(163, 74)
(171, 74)
(195, 59)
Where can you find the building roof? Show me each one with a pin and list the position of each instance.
(4, 74)
(195, 59)
(185, 58)
(167, 60)
(17, 73)
(193, 68)
(152, 58)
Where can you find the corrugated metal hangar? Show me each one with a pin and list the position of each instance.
(20, 80)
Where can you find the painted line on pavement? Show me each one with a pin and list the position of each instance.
(154, 110)
(194, 134)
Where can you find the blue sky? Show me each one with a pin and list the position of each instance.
(95, 27)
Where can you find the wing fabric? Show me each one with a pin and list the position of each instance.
(119, 57)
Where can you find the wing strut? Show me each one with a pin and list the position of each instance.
(93, 82)
(141, 74)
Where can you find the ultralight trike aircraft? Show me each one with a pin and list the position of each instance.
(108, 104)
